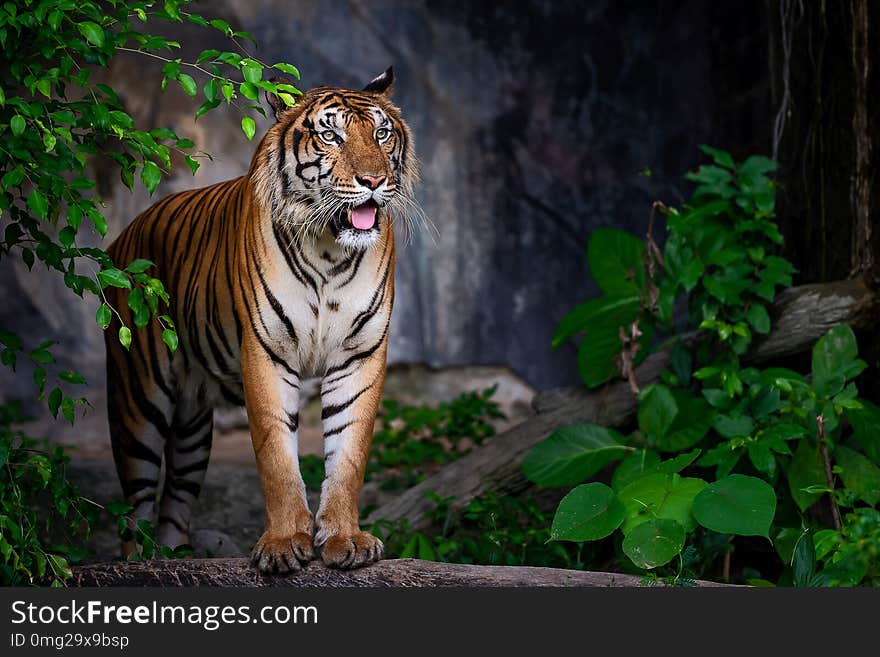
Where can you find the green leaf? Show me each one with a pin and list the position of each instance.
(859, 475)
(737, 504)
(17, 124)
(54, 401)
(803, 560)
(835, 359)
(721, 158)
(597, 313)
(169, 337)
(733, 426)
(615, 260)
(654, 543)
(72, 376)
(151, 175)
(634, 466)
(92, 32)
(192, 164)
(125, 336)
(38, 202)
(114, 278)
(759, 319)
(139, 265)
(660, 495)
(691, 423)
(287, 68)
(657, 411)
(865, 422)
(252, 71)
(188, 84)
(571, 454)
(588, 513)
(103, 316)
(805, 470)
(248, 127)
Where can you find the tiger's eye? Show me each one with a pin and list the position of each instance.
(328, 135)
(382, 133)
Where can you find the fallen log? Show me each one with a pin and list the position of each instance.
(801, 315)
(400, 573)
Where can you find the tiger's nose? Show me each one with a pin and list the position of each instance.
(370, 182)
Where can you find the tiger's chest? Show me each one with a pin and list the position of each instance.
(328, 304)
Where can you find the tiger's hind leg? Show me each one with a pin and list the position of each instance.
(139, 431)
(186, 462)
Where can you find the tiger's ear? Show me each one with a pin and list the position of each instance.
(381, 84)
(278, 105)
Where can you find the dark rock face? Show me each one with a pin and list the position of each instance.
(535, 122)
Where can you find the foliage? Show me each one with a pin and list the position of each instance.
(721, 449)
(38, 508)
(411, 440)
(490, 529)
(56, 121)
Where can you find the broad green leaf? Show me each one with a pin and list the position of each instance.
(139, 265)
(602, 311)
(17, 124)
(654, 543)
(38, 202)
(114, 277)
(248, 127)
(737, 504)
(859, 475)
(125, 336)
(638, 464)
(657, 411)
(151, 175)
(92, 32)
(188, 84)
(588, 513)
(287, 68)
(691, 423)
(805, 470)
(865, 422)
(103, 316)
(169, 337)
(572, 454)
(679, 463)
(758, 318)
(660, 496)
(733, 426)
(71, 376)
(803, 561)
(835, 359)
(720, 157)
(615, 260)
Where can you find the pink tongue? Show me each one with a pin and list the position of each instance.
(363, 217)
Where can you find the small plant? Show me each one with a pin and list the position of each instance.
(41, 513)
(721, 449)
(490, 530)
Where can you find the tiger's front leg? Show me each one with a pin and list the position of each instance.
(271, 392)
(350, 397)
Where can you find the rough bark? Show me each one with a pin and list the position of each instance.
(401, 573)
(801, 315)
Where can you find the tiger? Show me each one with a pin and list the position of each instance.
(284, 273)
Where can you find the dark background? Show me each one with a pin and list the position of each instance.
(536, 122)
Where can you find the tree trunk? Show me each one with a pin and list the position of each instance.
(801, 315)
(403, 573)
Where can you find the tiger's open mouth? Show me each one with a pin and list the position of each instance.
(361, 217)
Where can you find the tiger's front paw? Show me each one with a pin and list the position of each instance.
(351, 550)
(278, 555)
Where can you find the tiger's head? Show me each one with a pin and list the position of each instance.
(339, 160)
